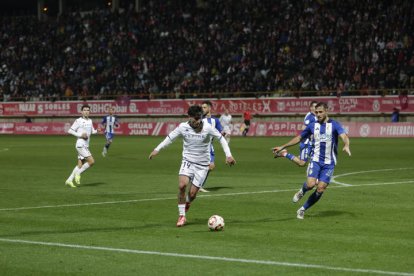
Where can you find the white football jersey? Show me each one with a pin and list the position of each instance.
(80, 126)
(225, 121)
(196, 146)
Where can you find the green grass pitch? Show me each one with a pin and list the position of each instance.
(121, 220)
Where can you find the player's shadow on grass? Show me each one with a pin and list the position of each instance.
(92, 184)
(85, 230)
(199, 221)
(332, 213)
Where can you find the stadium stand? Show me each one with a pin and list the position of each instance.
(240, 48)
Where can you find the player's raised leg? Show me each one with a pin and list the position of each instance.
(183, 180)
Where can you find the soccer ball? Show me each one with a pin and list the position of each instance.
(215, 223)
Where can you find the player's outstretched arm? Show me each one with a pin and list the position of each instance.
(152, 154)
(346, 141)
(292, 142)
(230, 161)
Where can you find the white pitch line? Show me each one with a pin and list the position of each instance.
(137, 200)
(198, 196)
(333, 180)
(204, 257)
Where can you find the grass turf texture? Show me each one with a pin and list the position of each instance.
(367, 226)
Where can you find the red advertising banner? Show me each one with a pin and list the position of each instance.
(256, 129)
(6, 128)
(262, 106)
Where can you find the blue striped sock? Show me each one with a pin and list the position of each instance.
(290, 156)
(312, 200)
(305, 187)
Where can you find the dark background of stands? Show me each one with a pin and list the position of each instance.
(195, 49)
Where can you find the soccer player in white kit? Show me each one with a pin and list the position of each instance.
(196, 156)
(225, 120)
(82, 128)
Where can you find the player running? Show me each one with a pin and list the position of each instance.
(196, 137)
(82, 128)
(306, 145)
(225, 120)
(321, 168)
(109, 122)
(214, 122)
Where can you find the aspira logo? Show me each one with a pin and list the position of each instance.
(323, 137)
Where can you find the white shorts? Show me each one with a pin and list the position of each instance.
(197, 173)
(83, 152)
(227, 130)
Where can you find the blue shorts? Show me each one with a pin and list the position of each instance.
(305, 151)
(109, 136)
(322, 172)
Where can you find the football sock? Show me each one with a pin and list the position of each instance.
(312, 199)
(107, 146)
(83, 168)
(289, 156)
(305, 188)
(75, 170)
(181, 209)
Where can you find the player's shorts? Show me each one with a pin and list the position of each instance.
(197, 173)
(109, 136)
(322, 172)
(83, 152)
(305, 151)
(227, 130)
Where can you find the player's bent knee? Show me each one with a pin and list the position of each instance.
(91, 161)
(321, 189)
(193, 194)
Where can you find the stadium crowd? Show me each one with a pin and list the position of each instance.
(172, 49)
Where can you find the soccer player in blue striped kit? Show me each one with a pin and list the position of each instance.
(109, 122)
(325, 133)
(306, 146)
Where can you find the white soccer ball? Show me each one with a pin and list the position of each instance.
(215, 223)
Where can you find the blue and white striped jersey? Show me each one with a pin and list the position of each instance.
(325, 140)
(215, 123)
(110, 122)
(309, 118)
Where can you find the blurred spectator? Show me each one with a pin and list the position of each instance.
(395, 116)
(27, 119)
(173, 49)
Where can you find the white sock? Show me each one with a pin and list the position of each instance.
(75, 171)
(181, 209)
(228, 140)
(83, 168)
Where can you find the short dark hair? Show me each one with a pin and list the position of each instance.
(324, 105)
(313, 102)
(207, 103)
(195, 111)
(85, 106)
